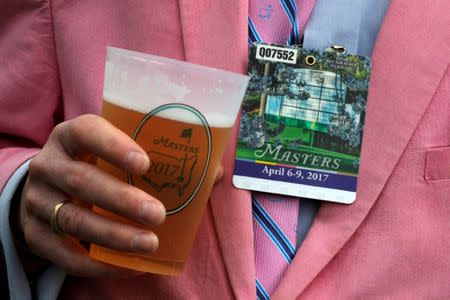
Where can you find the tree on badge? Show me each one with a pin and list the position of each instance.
(288, 83)
(345, 126)
(282, 80)
(254, 131)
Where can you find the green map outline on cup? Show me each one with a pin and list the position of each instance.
(188, 163)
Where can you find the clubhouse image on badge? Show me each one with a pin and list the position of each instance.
(302, 123)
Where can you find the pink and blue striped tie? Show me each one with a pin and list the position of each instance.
(275, 217)
(278, 21)
(274, 224)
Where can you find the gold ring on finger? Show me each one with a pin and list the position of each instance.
(54, 218)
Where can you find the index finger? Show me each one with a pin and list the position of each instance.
(90, 134)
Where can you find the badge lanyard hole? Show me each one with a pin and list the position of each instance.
(310, 60)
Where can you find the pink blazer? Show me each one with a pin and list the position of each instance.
(394, 241)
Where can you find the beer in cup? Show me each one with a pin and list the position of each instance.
(181, 114)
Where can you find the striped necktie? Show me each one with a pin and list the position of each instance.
(274, 223)
(278, 21)
(275, 217)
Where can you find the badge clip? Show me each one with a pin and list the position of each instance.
(336, 48)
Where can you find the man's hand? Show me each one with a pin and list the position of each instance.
(60, 173)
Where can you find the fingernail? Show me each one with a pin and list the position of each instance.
(152, 213)
(138, 161)
(145, 242)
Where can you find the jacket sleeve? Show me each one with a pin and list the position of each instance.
(29, 84)
(30, 106)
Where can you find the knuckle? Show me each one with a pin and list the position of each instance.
(112, 142)
(59, 133)
(59, 128)
(120, 237)
(76, 179)
(82, 126)
(30, 199)
(127, 204)
(112, 236)
(77, 129)
(37, 167)
(115, 235)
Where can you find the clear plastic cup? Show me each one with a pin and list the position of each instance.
(182, 115)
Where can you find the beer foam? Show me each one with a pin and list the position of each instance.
(142, 82)
(214, 119)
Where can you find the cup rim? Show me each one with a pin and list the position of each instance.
(110, 50)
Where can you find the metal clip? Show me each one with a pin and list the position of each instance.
(336, 48)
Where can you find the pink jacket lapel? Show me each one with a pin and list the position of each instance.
(215, 34)
(406, 72)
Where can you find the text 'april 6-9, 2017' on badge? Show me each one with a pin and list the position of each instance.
(302, 123)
